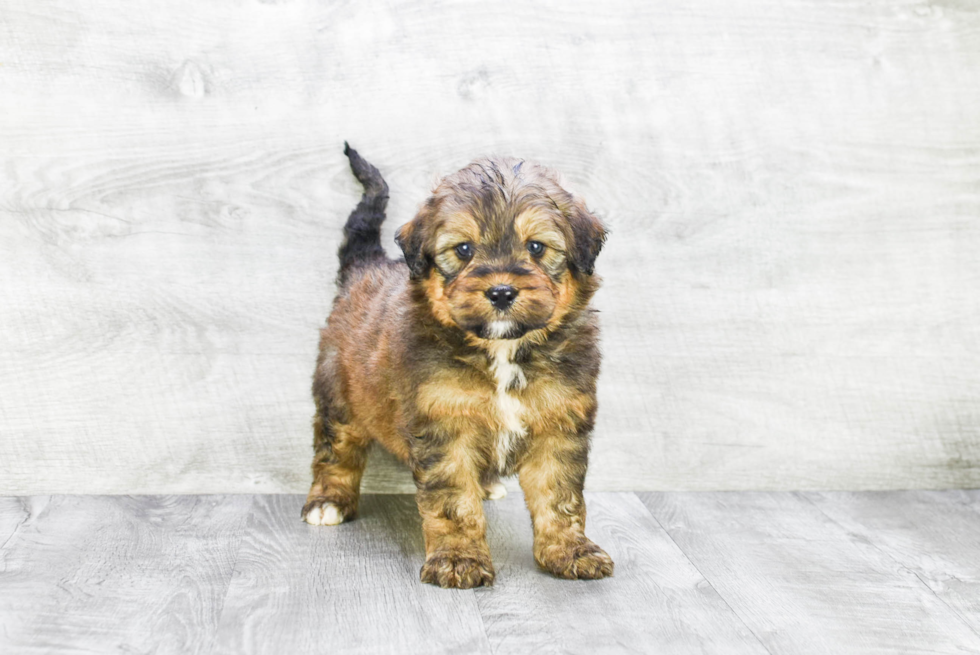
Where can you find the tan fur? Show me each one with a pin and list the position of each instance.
(419, 363)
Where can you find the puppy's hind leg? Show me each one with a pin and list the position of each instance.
(493, 488)
(338, 464)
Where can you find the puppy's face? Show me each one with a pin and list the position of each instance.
(502, 250)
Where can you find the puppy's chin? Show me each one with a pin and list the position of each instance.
(498, 329)
(501, 329)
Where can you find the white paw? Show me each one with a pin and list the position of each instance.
(496, 491)
(326, 514)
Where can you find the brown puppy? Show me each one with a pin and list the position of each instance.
(473, 358)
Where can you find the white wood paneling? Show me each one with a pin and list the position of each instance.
(793, 188)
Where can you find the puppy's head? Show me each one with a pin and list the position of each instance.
(502, 250)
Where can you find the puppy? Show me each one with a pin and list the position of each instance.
(474, 357)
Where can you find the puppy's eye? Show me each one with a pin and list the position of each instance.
(464, 251)
(536, 248)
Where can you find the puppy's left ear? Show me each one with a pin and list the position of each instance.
(588, 233)
(410, 239)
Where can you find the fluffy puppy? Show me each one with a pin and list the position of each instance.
(474, 357)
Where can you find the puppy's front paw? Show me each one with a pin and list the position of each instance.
(322, 512)
(580, 560)
(457, 570)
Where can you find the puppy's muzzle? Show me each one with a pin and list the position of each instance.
(501, 296)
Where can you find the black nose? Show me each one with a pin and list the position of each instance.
(501, 296)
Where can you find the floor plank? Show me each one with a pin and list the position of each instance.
(695, 572)
(803, 583)
(99, 574)
(936, 535)
(656, 601)
(352, 588)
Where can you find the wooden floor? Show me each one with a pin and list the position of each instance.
(884, 572)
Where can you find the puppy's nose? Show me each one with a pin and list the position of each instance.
(501, 296)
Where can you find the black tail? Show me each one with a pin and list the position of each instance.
(362, 233)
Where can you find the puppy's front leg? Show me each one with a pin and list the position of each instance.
(552, 477)
(450, 500)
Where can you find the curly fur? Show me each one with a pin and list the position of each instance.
(416, 357)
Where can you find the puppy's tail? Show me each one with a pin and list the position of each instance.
(362, 233)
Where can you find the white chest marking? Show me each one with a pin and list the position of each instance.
(509, 408)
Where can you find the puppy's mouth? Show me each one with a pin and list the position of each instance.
(502, 329)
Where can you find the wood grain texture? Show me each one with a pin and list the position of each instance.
(98, 574)
(727, 573)
(352, 588)
(792, 189)
(656, 601)
(804, 584)
(934, 535)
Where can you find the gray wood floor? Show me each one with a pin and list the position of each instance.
(879, 572)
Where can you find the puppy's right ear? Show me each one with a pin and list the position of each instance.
(411, 239)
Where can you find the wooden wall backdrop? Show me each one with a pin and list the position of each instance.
(792, 285)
